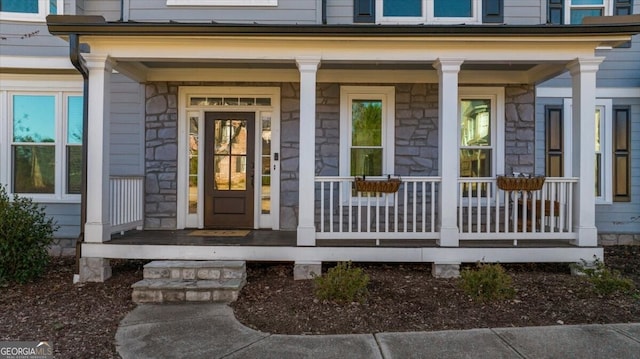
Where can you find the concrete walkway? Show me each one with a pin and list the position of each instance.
(211, 331)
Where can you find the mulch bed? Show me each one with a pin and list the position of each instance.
(407, 298)
(81, 320)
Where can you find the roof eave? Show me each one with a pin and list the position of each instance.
(62, 25)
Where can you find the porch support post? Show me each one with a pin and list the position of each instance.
(308, 68)
(448, 70)
(98, 226)
(583, 76)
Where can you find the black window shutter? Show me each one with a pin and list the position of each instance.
(555, 12)
(621, 155)
(364, 11)
(554, 141)
(623, 7)
(493, 11)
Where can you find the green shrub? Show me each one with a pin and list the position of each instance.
(25, 235)
(605, 280)
(487, 282)
(343, 284)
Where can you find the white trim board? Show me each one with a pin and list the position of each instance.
(333, 254)
(183, 218)
(602, 92)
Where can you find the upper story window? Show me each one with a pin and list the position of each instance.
(222, 2)
(429, 11)
(573, 11)
(29, 10)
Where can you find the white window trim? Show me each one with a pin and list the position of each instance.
(496, 95)
(607, 11)
(222, 2)
(183, 218)
(428, 15)
(7, 143)
(606, 119)
(386, 94)
(43, 11)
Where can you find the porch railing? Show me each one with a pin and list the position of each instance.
(127, 203)
(344, 213)
(485, 212)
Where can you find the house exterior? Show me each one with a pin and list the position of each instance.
(260, 114)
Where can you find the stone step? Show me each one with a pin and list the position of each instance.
(195, 270)
(162, 290)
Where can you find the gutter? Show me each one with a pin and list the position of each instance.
(78, 63)
(97, 25)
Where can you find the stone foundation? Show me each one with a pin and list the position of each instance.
(62, 247)
(445, 270)
(94, 269)
(619, 239)
(306, 270)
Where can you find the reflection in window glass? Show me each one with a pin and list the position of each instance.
(452, 8)
(34, 169)
(476, 143)
(402, 8)
(74, 144)
(598, 142)
(193, 161)
(20, 6)
(366, 138)
(34, 118)
(265, 191)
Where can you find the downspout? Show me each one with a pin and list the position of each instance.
(121, 10)
(78, 63)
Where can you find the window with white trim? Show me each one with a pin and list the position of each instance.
(222, 2)
(431, 11)
(603, 143)
(367, 130)
(573, 11)
(481, 119)
(30, 10)
(43, 144)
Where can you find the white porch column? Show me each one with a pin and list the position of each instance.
(448, 70)
(97, 228)
(308, 68)
(583, 76)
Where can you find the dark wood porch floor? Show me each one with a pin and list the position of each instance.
(268, 238)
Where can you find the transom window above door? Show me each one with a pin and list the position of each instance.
(429, 11)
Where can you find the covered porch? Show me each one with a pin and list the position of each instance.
(454, 218)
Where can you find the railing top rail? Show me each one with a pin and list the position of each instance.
(127, 177)
(547, 179)
(379, 178)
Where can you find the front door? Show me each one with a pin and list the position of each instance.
(229, 170)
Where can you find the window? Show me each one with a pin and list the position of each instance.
(222, 2)
(603, 143)
(29, 10)
(367, 131)
(44, 144)
(437, 11)
(573, 11)
(480, 148)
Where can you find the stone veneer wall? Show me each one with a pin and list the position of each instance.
(416, 138)
(161, 157)
(519, 129)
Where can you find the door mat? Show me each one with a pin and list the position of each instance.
(219, 233)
